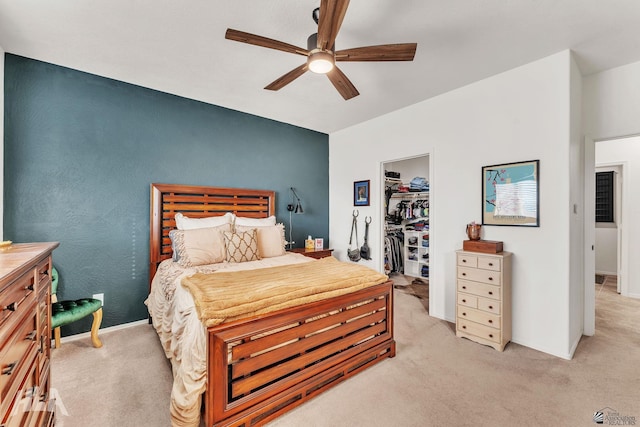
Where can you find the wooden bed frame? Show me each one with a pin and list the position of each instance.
(263, 366)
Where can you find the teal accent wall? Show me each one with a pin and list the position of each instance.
(81, 152)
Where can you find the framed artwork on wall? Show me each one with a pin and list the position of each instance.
(510, 194)
(361, 193)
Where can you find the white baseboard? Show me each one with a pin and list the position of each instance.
(103, 331)
(607, 273)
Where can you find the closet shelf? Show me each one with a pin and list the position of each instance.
(411, 195)
(394, 180)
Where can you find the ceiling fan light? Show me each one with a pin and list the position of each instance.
(320, 62)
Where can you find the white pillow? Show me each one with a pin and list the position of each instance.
(186, 223)
(255, 222)
(271, 241)
(199, 246)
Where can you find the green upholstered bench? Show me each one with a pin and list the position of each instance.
(65, 312)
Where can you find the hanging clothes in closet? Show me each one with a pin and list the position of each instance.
(393, 252)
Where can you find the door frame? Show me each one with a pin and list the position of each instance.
(589, 231)
(432, 242)
(589, 327)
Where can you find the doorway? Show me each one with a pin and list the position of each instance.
(608, 233)
(406, 239)
(625, 154)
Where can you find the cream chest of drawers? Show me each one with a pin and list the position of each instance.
(25, 335)
(483, 297)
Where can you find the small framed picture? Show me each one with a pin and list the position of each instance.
(361, 193)
(319, 244)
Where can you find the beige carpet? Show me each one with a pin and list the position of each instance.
(436, 379)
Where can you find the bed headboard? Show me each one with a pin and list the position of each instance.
(198, 202)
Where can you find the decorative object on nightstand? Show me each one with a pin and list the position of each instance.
(312, 253)
(309, 243)
(294, 206)
(483, 298)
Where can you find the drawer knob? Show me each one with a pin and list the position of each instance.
(464, 260)
(490, 292)
(490, 321)
(464, 300)
(490, 335)
(464, 314)
(31, 336)
(9, 369)
(464, 274)
(11, 307)
(490, 264)
(490, 307)
(464, 287)
(464, 327)
(490, 278)
(29, 288)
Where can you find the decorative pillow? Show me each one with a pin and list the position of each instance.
(255, 222)
(271, 241)
(242, 246)
(186, 223)
(199, 246)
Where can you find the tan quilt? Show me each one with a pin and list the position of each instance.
(226, 296)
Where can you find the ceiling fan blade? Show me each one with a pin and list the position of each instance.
(342, 83)
(384, 52)
(284, 80)
(331, 16)
(241, 36)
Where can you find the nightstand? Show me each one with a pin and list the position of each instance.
(312, 253)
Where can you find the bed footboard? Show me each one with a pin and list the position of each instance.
(261, 367)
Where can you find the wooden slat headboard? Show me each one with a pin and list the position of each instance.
(198, 202)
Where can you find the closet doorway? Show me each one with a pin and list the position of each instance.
(406, 238)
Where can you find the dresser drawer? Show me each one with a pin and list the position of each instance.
(468, 300)
(478, 330)
(43, 272)
(468, 260)
(15, 295)
(24, 407)
(478, 316)
(479, 289)
(490, 305)
(16, 354)
(477, 275)
(489, 263)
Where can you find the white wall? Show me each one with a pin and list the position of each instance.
(607, 233)
(2, 142)
(576, 206)
(519, 115)
(611, 106)
(611, 109)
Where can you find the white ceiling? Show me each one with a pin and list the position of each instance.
(179, 47)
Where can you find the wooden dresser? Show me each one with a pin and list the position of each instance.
(25, 335)
(483, 297)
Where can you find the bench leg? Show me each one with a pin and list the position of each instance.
(56, 335)
(97, 320)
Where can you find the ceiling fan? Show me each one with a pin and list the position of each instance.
(321, 54)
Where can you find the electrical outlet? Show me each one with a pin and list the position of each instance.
(100, 297)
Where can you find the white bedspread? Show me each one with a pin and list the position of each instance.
(183, 335)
